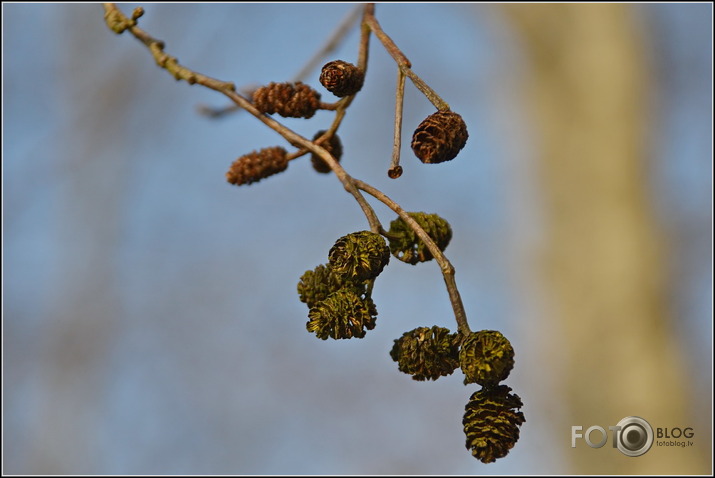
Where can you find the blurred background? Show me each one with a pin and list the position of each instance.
(151, 323)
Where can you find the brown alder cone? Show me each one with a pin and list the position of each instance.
(290, 100)
(440, 137)
(254, 166)
(333, 145)
(342, 78)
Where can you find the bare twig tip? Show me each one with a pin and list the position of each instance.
(395, 172)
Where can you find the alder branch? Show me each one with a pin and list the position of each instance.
(120, 23)
(339, 294)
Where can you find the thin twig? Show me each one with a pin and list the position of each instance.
(395, 170)
(404, 64)
(333, 41)
(119, 23)
(386, 41)
(216, 112)
(364, 49)
(341, 106)
(431, 95)
(444, 264)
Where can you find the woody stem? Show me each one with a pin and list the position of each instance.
(444, 264)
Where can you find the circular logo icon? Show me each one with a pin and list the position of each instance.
(635, 437)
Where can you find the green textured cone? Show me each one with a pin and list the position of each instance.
(359, 256)
(344, 314)
(491, 422)
(407, 247)
(486, 357)
(426, 353)
(315, 286)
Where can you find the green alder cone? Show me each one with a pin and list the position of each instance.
(359, 256)
(486, 357)
(343, 315)
(315, 286)
(426, 353)
(491, 422)
(407, 247)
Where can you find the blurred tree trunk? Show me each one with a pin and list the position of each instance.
(603, 260)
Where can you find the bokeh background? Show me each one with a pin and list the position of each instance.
(150, 319)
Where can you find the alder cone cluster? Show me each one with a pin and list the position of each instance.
(338, 293)
(440, 137)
